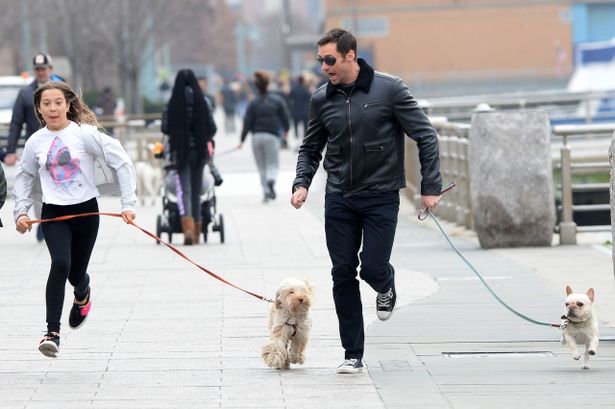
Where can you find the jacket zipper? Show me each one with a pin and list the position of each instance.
(348, 98)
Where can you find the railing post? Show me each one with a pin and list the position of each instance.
(567, 227)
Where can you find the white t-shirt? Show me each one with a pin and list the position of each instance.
(64, 161)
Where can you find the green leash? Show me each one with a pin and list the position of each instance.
(426, 212)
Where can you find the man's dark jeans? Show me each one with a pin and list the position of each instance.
(372, 219)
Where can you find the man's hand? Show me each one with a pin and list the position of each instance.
(22, 224)
(10, 159)
(430, 201)
(299, 197)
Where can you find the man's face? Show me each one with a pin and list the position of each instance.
(340, 72)
(42, 74)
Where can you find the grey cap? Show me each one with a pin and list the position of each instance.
(41, 60)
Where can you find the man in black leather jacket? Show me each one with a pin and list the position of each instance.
(361, 117)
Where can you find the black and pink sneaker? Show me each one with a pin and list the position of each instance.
(78, 313)
(50, 344)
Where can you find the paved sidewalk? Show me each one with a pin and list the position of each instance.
(162, 334)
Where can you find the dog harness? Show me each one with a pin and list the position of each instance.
(294, 326)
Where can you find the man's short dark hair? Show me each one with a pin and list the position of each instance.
(343, 39)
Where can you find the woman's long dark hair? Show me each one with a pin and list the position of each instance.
(179, 128)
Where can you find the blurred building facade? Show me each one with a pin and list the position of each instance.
(462, 46)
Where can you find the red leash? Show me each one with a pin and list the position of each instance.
(152, 235)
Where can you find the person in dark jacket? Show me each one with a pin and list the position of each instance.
(229, 105)
(23, 113)
(189, 123)
(361, 116)
(2, 189)
(268, 119)
(299, 98)
(23, 110)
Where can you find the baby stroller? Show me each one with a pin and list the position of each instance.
(170, 221)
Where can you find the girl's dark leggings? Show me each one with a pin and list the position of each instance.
(70, 245)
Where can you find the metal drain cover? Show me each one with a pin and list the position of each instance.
(497, 354)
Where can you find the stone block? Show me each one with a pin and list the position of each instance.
(511, 179)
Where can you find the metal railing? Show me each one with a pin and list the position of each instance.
(567, 228)
(456, 205)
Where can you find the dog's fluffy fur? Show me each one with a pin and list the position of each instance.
(289, 324)
(582, 325)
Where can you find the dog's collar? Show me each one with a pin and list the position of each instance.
(574, 323)
(294, 326)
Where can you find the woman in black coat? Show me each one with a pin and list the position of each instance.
(189, 123)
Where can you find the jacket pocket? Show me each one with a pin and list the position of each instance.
(377, 146)
(334, 164)
(370, 104)
(379, 161)
(333, 149)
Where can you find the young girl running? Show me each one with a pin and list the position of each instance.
(62, 154)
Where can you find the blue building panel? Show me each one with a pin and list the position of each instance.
(593, 22)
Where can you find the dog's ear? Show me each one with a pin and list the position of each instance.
(309, 286)
(278, 301)
(568, 290)
(590, 294)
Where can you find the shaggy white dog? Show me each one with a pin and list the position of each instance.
(289, 323)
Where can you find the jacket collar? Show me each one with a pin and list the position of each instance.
(363, 82)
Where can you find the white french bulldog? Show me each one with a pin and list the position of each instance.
(580, 324)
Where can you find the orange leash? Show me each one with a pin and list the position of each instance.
(152, 235)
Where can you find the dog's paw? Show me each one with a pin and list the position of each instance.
(591, 352)
(274, 356)
(576, 356)
(297, 359)
(585, 366)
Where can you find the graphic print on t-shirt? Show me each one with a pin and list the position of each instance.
(60, 166)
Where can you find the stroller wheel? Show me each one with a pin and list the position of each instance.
(205, 230)
(158, 227)
(221, 228)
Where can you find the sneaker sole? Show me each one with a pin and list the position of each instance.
(349, 371)
(49, 349)
(386, 318)
(80, 325)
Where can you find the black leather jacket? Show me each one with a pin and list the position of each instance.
(364, 135)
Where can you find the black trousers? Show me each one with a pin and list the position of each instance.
(370, 220)
(70, 245)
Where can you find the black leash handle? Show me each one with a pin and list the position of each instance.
(425, 211)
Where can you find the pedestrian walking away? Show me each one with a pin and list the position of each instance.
(360, 116)
(189, 123)
(2, 189)
(300, 105)
(23, 113)
(62, 155)
(268, 119)
(229, 105)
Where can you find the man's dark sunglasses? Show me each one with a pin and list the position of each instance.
(327, 59)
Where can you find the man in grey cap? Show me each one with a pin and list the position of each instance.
(23, 112)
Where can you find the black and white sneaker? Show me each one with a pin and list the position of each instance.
(50, 344)
(351, 366)
(385, 303)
